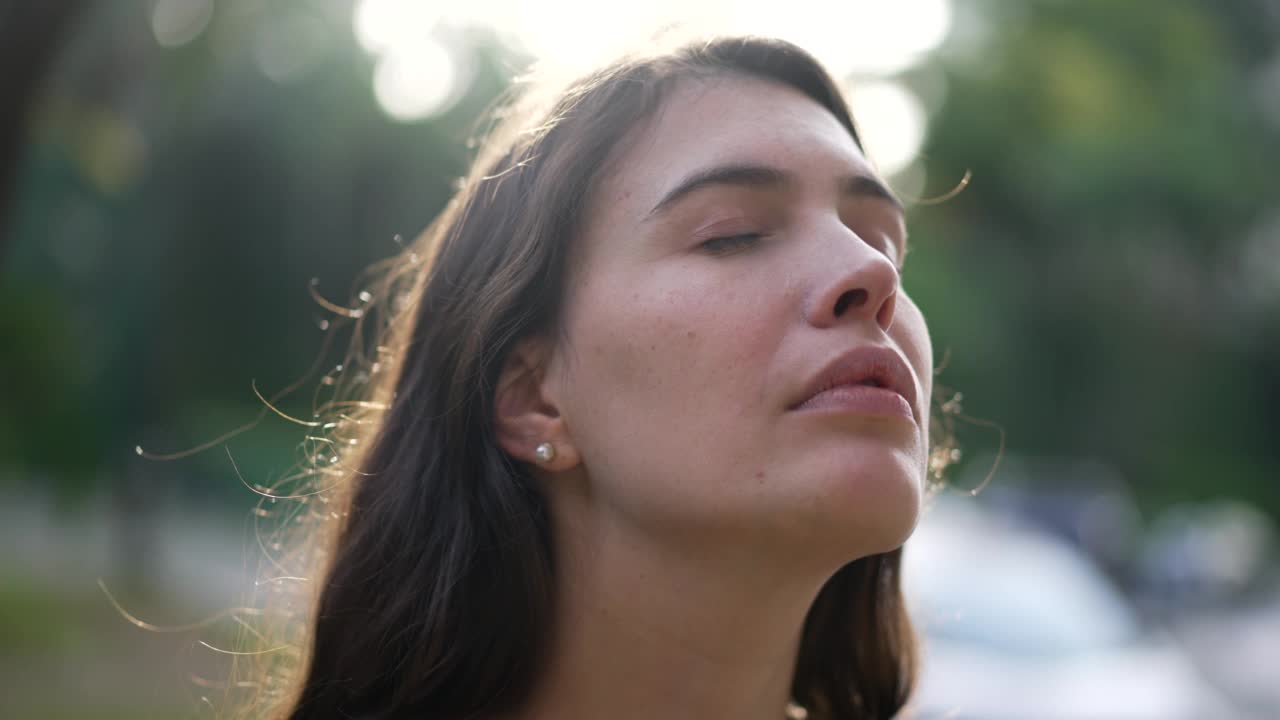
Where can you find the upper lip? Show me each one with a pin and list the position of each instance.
(870, 364)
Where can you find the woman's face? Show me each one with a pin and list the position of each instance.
(739, 249)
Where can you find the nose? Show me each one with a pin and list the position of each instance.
(861, 286)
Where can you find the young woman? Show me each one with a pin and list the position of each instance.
(653, 419)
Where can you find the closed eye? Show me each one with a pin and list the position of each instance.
(730, 243)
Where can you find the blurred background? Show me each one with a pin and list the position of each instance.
(178, 178)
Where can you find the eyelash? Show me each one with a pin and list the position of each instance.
(729, 244)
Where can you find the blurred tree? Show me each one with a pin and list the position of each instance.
(1102, 284)
(1087, 280)
(174, 204)
(31, 35)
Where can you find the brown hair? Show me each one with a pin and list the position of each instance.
(437, 595)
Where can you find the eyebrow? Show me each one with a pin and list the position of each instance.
(765, 176)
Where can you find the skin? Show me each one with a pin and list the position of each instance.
(696, 513)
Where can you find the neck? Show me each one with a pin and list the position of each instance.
(646, 630)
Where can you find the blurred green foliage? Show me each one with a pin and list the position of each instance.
(1106, 287)
(1108, 284)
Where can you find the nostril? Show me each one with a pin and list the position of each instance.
(853, 298)
(885, 316)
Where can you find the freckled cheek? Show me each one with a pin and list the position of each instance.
(718, 348)
(680, 340)
(912, 335)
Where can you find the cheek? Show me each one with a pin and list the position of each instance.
(668, 335)
(912, 335)
(667, 377)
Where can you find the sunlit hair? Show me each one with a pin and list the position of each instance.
(429, 549)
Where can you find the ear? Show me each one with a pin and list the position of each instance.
(524, 413)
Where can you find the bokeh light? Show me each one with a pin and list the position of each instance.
(287, 48)
(178, 22)
(416, 81)
(892, 122)
(387, 25)
(851, 38)
(863, 41)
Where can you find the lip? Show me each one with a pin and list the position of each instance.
(862, 380)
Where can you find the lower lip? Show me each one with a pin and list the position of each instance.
(859, 400)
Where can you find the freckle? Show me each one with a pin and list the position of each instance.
(759, 474)
(691, 334)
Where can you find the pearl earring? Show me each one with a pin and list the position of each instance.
(545, 452)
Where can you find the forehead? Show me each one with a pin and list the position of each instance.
(721, 120)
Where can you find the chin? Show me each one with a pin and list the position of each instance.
(868, 512)
(887, 525)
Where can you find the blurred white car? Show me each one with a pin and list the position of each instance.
(1018, 625)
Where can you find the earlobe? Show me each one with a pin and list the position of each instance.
(529, 426)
